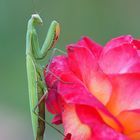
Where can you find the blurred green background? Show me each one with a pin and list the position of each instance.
(99, 19)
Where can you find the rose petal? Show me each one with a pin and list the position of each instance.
(119, 60)
(89, 72)
(76, 93)
(67, 137)
(125, 93)
(100, 86)
(73, 125)
(136, 43)
(57, 66)
(79, 121)
(131, 120)
(118, 41)
(57, 119)
(106, 133)
(53, 102)
(135, 136)
(81, 61)
(94, 47)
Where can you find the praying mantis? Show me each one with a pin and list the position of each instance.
(35, 78)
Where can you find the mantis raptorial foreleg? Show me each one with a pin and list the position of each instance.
(34, 72)
(51, 38)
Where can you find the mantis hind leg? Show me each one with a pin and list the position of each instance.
(42, 99)
(47, 69)
(56, 50)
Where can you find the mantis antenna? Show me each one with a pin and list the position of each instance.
(34, 6)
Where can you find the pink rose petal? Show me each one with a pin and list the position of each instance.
(126, 93)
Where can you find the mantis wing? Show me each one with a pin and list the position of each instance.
(33, 96)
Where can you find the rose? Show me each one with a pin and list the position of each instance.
(94, 91)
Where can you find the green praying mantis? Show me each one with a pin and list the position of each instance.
(36, 86)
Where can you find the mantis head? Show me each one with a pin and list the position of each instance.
(37, 19)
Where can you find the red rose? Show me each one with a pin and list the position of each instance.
(94, 91)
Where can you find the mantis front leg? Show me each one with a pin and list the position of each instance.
(34, 73)
(32, 44)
